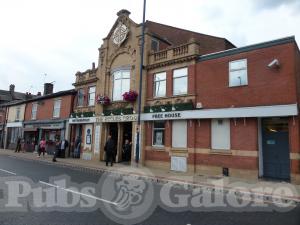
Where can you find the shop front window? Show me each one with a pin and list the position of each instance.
(158, 133)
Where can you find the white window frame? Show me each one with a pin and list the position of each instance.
(158, 129)
(176, 77)
(34, 111)
(18, 112)
(56, 108)
(120, 98)
(155, 82)
(182, 134)
(219, 135)
(232, 70)
(80, 96)
(92, 94)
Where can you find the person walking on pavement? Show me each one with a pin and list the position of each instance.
(42, 147)
(63, 146)
(18, 147)
(109, 149)
(57, 150)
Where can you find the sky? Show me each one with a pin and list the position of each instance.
(50, 40)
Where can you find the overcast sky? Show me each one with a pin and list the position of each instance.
(61, 37)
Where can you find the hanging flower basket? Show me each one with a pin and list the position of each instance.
(103, 100)
(130, 96)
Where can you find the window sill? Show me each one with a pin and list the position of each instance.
(220, 152)
(158, 148)
(243, 85)
(183, 150)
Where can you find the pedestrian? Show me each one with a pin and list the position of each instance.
(77, 147)
(127, 150)
(64, 145)
(57, 150)
(18, 147)
(42, 147)
(109, 149)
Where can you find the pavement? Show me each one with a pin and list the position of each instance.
(151, 200)
(259, 187)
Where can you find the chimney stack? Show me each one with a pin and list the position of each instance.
(93, 66)
(12, 88)
(48, 88)
(39, 94)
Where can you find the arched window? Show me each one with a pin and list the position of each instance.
(121, 84)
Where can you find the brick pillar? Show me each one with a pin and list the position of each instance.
(150, 79)
(168, 133)
(169, 83)
(192, 79)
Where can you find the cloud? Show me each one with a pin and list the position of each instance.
(60, 38)
(271, 4)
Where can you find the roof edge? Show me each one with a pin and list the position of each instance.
(247, 48)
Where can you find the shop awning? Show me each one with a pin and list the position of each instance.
(30, 129)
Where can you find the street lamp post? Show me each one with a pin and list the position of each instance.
(138, 130)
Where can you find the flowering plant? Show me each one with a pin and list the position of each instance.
(130, 96)
(103, 100)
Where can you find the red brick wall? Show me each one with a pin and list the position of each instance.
(228, 161)
(203, 134)
(45, 110)
(2, 114)
(244, 134)
(157, 155)
(265, 86)
(150, 79)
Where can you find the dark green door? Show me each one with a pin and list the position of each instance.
(275, 137)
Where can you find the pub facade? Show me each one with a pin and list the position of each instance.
(208, 107)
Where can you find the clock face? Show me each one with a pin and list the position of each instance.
(120, 34)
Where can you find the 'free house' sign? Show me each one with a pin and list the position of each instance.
(166, 115)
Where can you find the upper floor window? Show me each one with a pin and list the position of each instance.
(121, 84)
(154, 45)
(18, 112)
(160, 84)
(33, 111)
(92, 93)
(56, 108)
(180, 81)
(80, 97)
(238, 73)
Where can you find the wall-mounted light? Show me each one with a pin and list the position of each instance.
(151, 110)
(173, 108)
(274, 64)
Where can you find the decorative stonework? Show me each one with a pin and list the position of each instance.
(120, 34)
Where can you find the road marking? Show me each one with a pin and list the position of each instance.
(6, 171)
(79, 193)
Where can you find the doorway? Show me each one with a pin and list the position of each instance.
(127, 135)
(275, 144)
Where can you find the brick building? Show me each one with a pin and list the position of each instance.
(208, 106)
(47, 116)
